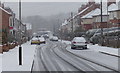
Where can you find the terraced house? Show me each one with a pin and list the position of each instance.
(5, 22)
(9, 28)
(4, 25)
(115, 18)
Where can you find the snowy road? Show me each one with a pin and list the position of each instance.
(56, 56)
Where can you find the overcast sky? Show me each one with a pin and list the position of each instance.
(44, 8)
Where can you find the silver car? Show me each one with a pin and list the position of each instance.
(79, 43)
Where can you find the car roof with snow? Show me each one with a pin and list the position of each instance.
(79, 39)
(34, 38)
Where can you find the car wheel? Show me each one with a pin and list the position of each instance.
(85, 47)
(73, 48)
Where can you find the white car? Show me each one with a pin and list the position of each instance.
(79, 42)
(35, 40)
(54, 38)
(42, 40)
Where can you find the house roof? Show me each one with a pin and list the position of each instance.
(113, 7)
(92, 13)
(81, 12)
(65, 23)
(4, 10)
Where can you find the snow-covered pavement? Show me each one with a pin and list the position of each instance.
(66, 42)
(97, 48)
(10, 59)
(109, 50)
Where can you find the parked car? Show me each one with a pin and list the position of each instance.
(42, 40)
(46, 36)
(79, 43)
(35, 40)
(54, 38)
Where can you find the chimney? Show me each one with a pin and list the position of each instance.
(109, 2)
(0, 4)
(91, 1)
(119, 5)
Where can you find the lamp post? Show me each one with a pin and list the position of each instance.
(101, 25)
(20, 42)
(72, 25)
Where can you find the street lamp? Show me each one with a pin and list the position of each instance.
(101, 26)
(72, 25)
(20, 47)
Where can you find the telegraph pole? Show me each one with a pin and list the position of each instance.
(107, 26)
(54, 28)
(20, 47)
(72, 25)
(117, 36)
(101, 25)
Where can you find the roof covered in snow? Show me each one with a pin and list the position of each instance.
(81, 11)
(113, 7)
(92, 13)
(28, 26)
(4, 10)
(65, 23)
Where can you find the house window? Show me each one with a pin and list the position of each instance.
(10, 22)
(111, 15)
(115, 15)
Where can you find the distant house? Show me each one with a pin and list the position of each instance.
(65, 26)
(16, 29)
(28, 30)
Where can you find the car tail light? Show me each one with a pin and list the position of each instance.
(74, 42)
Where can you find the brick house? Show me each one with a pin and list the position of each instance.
(97, 21)
(5, 15)
(90, 6)
(87, 20)
(84, 10)
(11, 24)
(86, 25)
(114, 18)
(105, 16)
